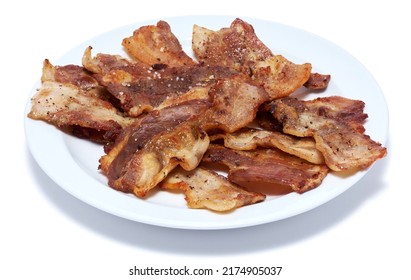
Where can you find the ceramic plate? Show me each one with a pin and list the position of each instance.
(72, 163)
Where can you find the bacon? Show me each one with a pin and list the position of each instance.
(279, 76)
(250, 139)
(134, 138)
(346, 110)
(70, 97)
(207, 189)
(153, 44)
(317, 81)
(235, 47)
(267, 166)
(184, 146)
(336, 125)
(239, 48)
(235, 104)
(104, 63)
(143, 94)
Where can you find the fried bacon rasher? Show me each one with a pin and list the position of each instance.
(156, 44)
(239, 48)
(184, 145)
(135, 139)
(268, 166)
(335, 123)
(144, 94)
(248, 139)
(71, 98)
(206, 188)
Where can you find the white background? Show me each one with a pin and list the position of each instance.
(48, 234)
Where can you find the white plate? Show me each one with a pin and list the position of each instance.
(72, 163)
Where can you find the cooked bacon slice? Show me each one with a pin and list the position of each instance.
(239, 48)
(153, 44)
(235, 103)
(336, 126)
(195, 93)
(134, 138)
(104, 64)
(143, 94)
(249, 139)
(349, 111)
(317, 81)
(184, 146)
(279, 76)
(207, 189)
(268, 166)
(74, 75)
(70, 97)
(236, 47)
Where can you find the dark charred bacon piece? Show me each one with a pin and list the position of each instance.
(205, 188)
(269, 166)
(154, 44)
(336, 123)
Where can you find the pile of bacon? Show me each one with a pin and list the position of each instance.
(170, 121)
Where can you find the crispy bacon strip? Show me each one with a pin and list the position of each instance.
(104, 63)
(235, 104)
(279, 76)
(153, 44)
(184, 146)
(249, 139)
(336, 126)
(70, 97)
(207, 189)
(349, 111)
(317, 81)
(137, 136)
(239, 48)
(267, 165)
(143, 94)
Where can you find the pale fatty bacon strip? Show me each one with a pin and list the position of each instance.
(154, 44)
(207, 189)
(338, 132)
(249, 139)
(269, 166)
